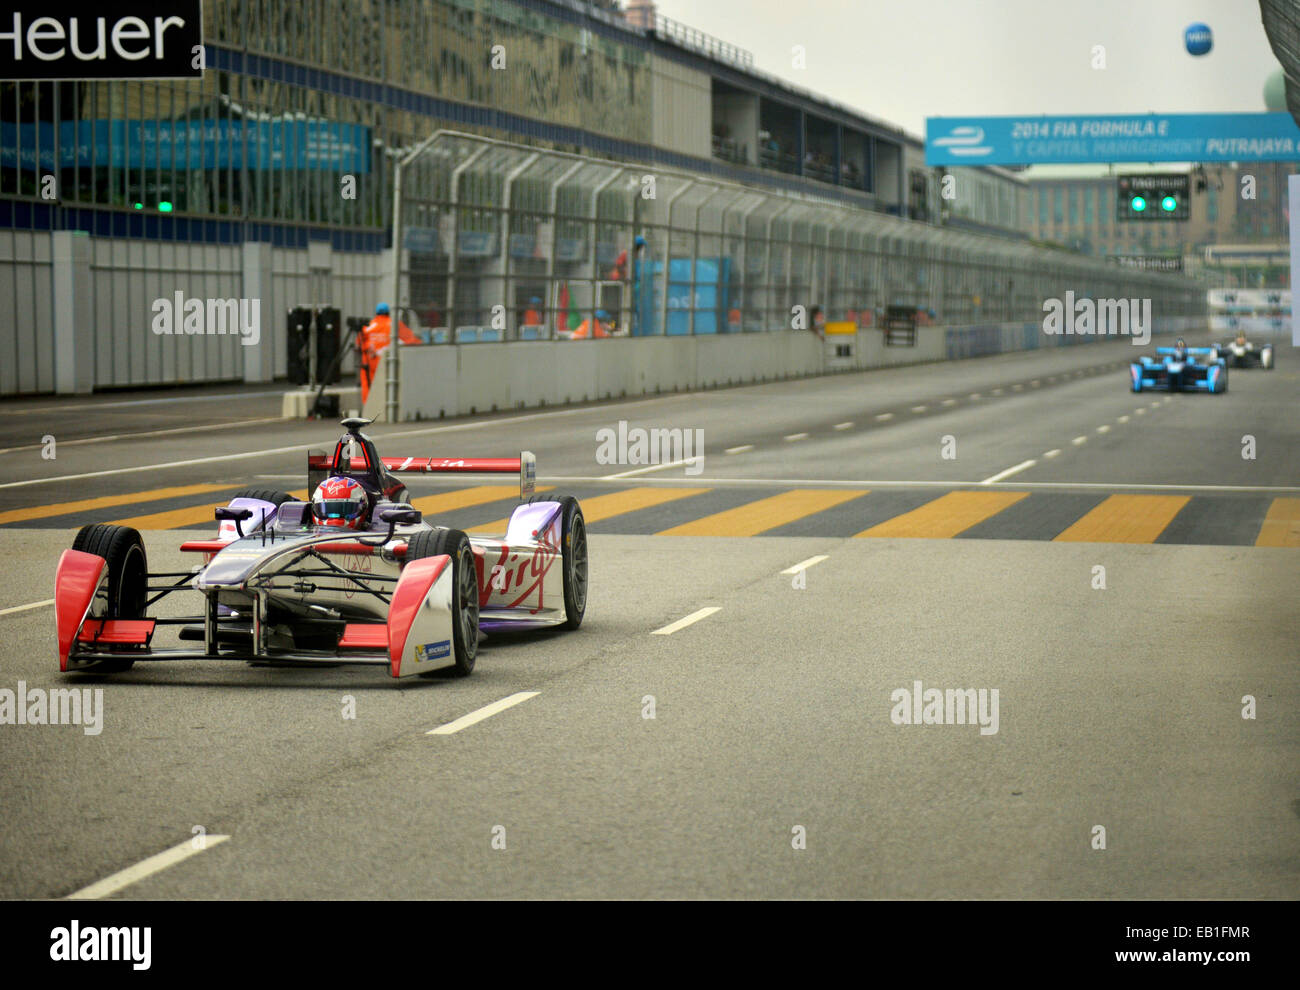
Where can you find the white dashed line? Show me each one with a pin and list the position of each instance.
(975, 395)
(884, 416)
(842, 426)
(1123, 419)
(1016, 388)
(948, 402)
(1103, 429)
(145, 868)
(797, 436)
(694, 617)
(653, 467)
(1079, 441)
(24, 608)
(1056, 452)
(487, 711)
(997, 391)
(1010, 471)
(739, 450)
(919, 409)
(1140, 412)
(803, 565)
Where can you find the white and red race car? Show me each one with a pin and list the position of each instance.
(279, 584)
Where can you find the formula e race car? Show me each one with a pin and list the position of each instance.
(1180, 369)
(1241, 353)
(354, 576)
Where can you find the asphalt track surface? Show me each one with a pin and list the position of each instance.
(1119, 707)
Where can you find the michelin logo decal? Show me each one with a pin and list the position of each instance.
(433, 651)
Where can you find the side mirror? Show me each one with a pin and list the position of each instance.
(400, 516)
(226, 514)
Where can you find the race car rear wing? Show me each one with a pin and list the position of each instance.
(525, 465)
(1196, 351)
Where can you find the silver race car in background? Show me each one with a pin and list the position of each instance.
(1242, 353)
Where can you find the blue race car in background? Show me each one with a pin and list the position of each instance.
(1180, 369)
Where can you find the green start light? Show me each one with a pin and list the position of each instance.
(1138, 204)
(1169, 204)
(166, 207)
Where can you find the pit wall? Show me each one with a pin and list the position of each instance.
(464, 379)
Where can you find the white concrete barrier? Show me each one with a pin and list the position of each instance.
(443, 380)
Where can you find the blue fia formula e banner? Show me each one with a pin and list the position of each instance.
(1171, 137)
(168, 144)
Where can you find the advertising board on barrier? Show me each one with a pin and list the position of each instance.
(1171, 137)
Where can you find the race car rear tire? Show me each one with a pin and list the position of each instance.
(573, 548)
(464, 598)
(128, 579)
(272, 495)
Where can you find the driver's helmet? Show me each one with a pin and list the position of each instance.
(1180, 349)
(340, 502)
(1241, 340)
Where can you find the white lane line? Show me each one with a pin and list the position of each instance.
(796, 436)
(654, 467)
(975, 395)
(1140, 412)
(842, 426)
(1079, 441)
(919, 409)
(803, 565)
(884, 416)
(150, 433)
(1155, 405)
(222, 397)
(1010, 471)
(1103, 428)
(1054, 452)
(948, 402)
(1123, 419)
(694, 617)
(24, 608)
(487, 711)
(381, 438)
(930, 483)
(1016, 388)
(739, 450)
(145, 868)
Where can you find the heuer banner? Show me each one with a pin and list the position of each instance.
(109, 39)
(1170, 137)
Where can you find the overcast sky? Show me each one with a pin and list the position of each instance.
(905, 60)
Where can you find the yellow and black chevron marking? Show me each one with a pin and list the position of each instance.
(1062, 516)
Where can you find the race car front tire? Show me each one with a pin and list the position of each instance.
(573, 547)
(464, 599)
(128, 579)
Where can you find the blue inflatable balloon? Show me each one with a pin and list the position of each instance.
(1199, 39)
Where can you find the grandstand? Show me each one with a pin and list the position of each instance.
(271, 178)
